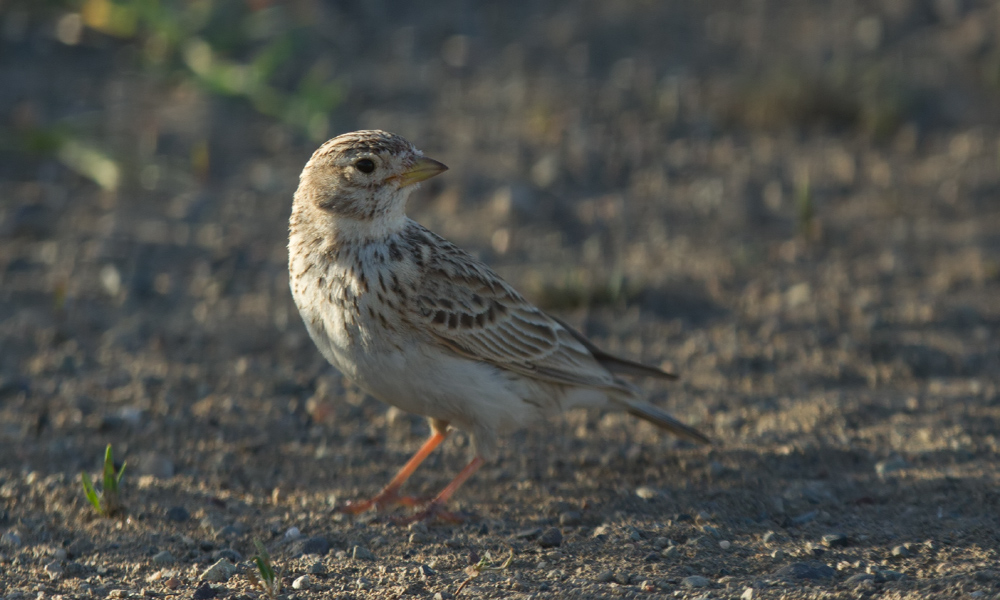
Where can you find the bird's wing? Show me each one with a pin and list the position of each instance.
(469, 309)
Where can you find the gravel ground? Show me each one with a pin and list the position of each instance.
(793, 206)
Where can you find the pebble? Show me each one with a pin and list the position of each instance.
(301, 583)
(292, 533)
(164, 558)
(900, 552)
(725, 544)
(418, 526)
(314, 545)
(647, 493)
(696, 581)
(204, 592)
(213, 522)
(55, 569)
(859, 578)
(119, 594)
(889, 575)
(10, 539)
(75, 569)
(317, 568)
(606, 576)
(361, 553)
(528, 534)
(228, 553)
(815, 550)
(178, 514)
(712, 531)
(890, 465)
(671, 552)
(551, 538)
(778, 554)
(661, 542)
(172, 584)
(419, 537)
(748, 594)
(770, 537)
(836, 540)
(806, 570)
(570, 518)
(425, 572)
(220, 572)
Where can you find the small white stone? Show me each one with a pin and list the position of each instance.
(725, 544)
(292, 533)
(647, 493)
(54, 569)
(301, 583)
(748, 594)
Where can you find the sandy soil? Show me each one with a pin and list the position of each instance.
(793, 206)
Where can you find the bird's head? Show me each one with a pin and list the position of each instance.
(364, 176)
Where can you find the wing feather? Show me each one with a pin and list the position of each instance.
(468, 308)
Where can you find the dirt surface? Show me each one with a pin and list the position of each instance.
(792, 205)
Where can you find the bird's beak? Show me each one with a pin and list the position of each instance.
(424, 168)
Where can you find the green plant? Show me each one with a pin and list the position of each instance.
(268, 579)
(108, 503)
(484, 564)
(232, 48)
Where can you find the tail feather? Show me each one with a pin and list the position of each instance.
(623, 392)
(615, 364)
(657, 417)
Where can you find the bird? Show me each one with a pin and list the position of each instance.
(422, 325)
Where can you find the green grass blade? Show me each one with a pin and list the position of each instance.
(118, 477)
(90, 492)
(110, 484)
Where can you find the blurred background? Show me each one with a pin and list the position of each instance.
(794, 205)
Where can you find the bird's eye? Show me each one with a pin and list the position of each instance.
(365, 165)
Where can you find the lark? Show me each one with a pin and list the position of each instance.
(420, 324)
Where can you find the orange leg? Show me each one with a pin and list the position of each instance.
(436, 507)
(390, 494)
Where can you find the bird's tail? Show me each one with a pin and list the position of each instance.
(661, 419)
